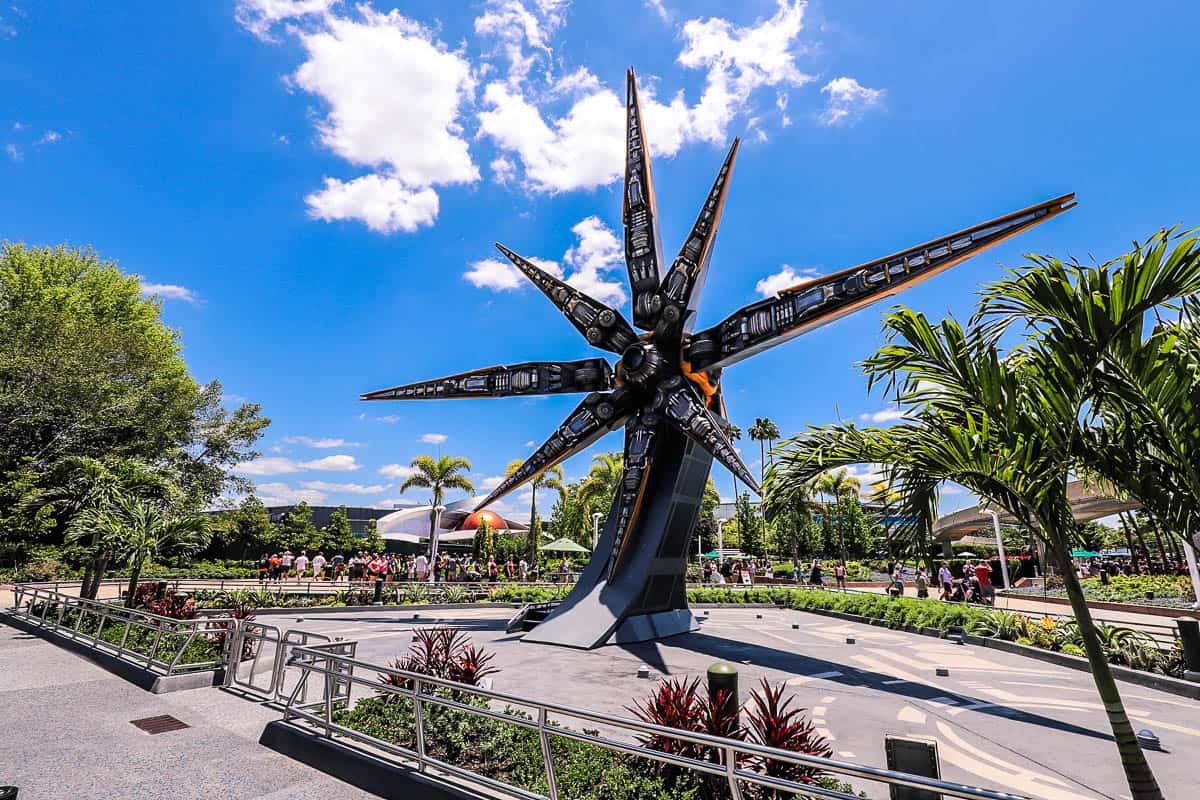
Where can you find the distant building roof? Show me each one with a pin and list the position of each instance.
(1087, 503)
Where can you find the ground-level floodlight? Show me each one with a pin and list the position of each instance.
(596, 515)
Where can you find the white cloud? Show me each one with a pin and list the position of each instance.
(583, 147)
(786, 278)
(597, 253)
(433, 438)
(384, 203)
(392, 502)
(278, 465)
(170, 291)
(396, 470)
(390, 419)
(321, 444)
(349, 488)
(13, 152)
(512, 25)
(847, 100)
(280, 494)
(394, 95)
(593, 259)
(889, 414)
(530, 443)
(50, 137)
(491, 482)
(492, 273)
(259, 16)
(658, 8)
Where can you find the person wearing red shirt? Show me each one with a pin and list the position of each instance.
(983, 573)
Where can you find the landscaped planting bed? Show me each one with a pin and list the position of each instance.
(1170, 591)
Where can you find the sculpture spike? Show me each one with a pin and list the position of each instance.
(598, 414)
(809, 305)
(686, 411)
(680, 291)
(640, 434)
(639, 214)
(531, 378)
(602, 326)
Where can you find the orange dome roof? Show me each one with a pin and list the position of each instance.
(494, 521)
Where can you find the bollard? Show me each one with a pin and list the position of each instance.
(723, 677)
(849, 640)
(1148, 740)
(758, 616)
(942, 672)
(795, 626)
(1189, 635)
(643, 671)
(378, 592)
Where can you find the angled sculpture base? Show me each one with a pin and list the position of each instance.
(645, 597)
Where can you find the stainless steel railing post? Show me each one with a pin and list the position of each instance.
(419, 716)
(547, 755)
(735, 788)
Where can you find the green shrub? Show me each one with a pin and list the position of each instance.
(1073, 650)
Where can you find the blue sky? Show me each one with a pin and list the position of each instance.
(313, 186)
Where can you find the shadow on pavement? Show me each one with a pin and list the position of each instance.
(735, 652)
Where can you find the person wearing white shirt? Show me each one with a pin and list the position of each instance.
(319, 565)
(422, 567)
(524, 569)
(301, 564)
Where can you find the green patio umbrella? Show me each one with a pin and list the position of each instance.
(1077, 553)
(564, 546)
(713, 554)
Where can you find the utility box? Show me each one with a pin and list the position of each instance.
(916, 757)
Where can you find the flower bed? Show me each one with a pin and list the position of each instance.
(1170, 591)
(583, 771)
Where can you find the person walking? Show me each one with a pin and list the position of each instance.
(839, 575)
(946, 581)
(922, 583)
(510, 569)
(264, 567)
(286, 565)
(301, 565)
(493, 570)
(814, 574)
(319, 565)
(987, 592)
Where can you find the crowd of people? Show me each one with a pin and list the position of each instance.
(364, 566)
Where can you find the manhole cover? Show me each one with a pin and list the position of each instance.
(160, 724)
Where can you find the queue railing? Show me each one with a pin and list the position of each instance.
(156, 643)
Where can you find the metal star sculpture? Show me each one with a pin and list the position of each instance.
(668, 379)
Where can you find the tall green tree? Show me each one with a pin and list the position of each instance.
(437, 475)
(89, 370)
(551, 479)
(749, 526)
(137, 531)
(602, 481)
(763, 431)
(246, 528)
(338, 536)
(836, 484)
(297, 531)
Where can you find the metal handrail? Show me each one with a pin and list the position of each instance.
(418, 688)
(55, 606)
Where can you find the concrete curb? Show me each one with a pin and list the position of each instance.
(357, 767)
(141, 677)
(1150, 680)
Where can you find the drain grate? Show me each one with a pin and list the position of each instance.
(160, 724)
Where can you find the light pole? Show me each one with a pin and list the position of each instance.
(433, 541)
(999, 543)
(596, 515)
(721, 537)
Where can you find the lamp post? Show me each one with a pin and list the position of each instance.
(999, 543)
(433, 541)
(596, 515)
(721, 537)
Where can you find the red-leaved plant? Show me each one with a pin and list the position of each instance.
(772, 721)
(443, 653)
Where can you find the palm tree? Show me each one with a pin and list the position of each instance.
(83, 484)
(438, 475)
(1006, 428)
(735, 435)
(603, 479)
(137, 531)
(838, 484)
(763, 431)
(552, 479)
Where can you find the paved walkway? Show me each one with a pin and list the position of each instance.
(1001, 720)
(66, 734)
